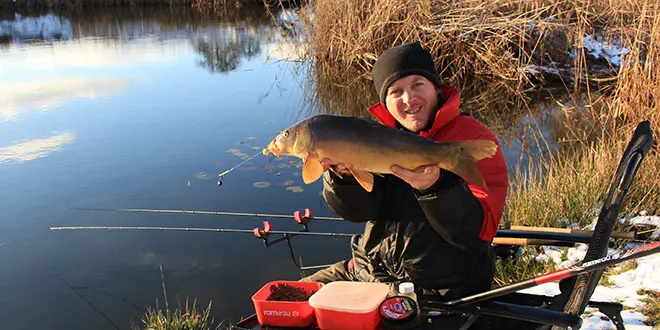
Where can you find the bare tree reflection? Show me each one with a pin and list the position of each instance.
(222, 57)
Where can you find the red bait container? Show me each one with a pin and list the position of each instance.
(297, 314)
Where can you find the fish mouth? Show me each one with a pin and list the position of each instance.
(272, 148)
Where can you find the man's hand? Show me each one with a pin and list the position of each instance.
(421, 178)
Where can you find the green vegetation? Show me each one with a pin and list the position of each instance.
(187, 318)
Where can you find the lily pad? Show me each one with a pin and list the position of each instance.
(233, 151)
(203, 176)
(282, 165)
(256, 148)
(295, 189)
(287, 183)
(219, 163)
(261, 184)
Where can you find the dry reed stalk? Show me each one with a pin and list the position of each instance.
(488, 49)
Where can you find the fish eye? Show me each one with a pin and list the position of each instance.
(285, 133)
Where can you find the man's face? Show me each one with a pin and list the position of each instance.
(412, 100)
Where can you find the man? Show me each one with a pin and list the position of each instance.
(427, 226)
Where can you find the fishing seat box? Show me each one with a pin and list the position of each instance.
(293, 314)
(348, 305)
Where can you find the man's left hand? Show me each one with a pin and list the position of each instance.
(421, 178)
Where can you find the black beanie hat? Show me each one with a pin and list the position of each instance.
(401, 61)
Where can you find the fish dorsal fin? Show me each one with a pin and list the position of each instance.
(364, 178)
(311, 170)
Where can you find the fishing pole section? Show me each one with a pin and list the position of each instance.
(302, 218)
(507, 242)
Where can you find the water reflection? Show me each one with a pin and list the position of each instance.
(48, 94)
(222, 40)
(26, 29)
(224, 55)
(153, 139)
(179, 264)
(33, 149)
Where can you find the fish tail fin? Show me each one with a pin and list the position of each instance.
(469, 153)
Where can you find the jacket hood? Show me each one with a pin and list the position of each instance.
(446, 113)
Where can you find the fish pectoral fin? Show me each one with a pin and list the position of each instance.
(364, 178)
(311, 170)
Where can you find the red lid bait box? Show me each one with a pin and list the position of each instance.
(348, 305)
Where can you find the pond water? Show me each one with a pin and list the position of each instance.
(142, 108)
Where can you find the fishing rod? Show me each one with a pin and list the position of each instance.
(535, 237)
(632, 235)
(574, 238)
(263, 234)
(255, 231)
(300, 218)
(530, 232)
(267, 230)
(560, 274)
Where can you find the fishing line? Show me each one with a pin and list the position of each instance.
(88, 302)
(111, 295)
(222, 175)
(243, 214)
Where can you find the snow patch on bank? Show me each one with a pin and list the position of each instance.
(624, 287)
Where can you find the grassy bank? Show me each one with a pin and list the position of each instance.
(187, 317)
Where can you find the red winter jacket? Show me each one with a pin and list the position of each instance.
(450, 126)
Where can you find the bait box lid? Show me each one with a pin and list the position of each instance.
(350, 297)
